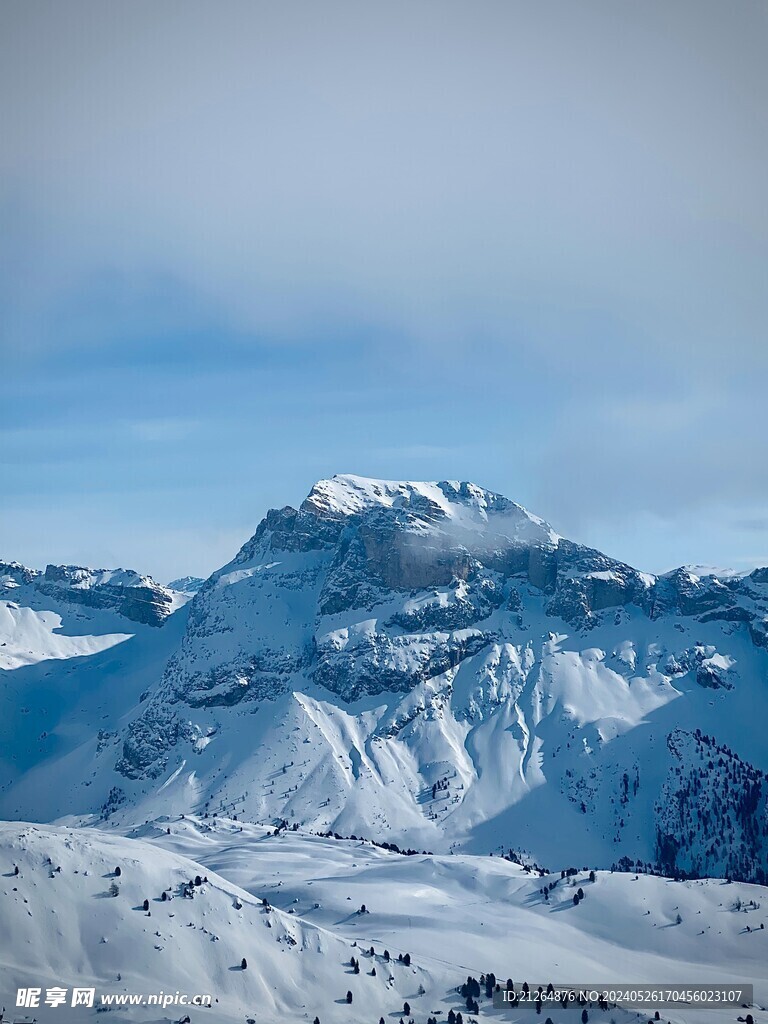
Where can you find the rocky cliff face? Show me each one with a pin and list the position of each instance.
(135, 597)
(446, 569)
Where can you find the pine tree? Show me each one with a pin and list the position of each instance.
(243, 964)
(407, 959)
(406, 1008)
(146, 904)
(118, 872)
(349, 997)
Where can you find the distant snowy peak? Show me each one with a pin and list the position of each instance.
(703, 571)
(135, 597)
(186, 584)
(462, 511)
(432, 504)
(80, 578)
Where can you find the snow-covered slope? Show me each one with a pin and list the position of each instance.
(455, 916)
(431, 664)
(68, 920)
(78, 647)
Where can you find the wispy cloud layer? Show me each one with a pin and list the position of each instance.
(245, 245)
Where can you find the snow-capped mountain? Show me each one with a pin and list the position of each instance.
(432, 665)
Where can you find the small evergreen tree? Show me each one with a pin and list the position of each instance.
(243, 964)
(118, 872)
(406, 1008)
(349, 997)
(407, 959)
(584, 1016)
(146, 904)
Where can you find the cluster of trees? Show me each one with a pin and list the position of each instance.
(283, 825)
(440, 786)
(188, 889)
(713, 819)
(116, 795)
(392, 847)
(517, 858)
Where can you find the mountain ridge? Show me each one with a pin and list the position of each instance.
(432, 664)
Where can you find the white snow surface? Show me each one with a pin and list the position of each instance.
(455, 915)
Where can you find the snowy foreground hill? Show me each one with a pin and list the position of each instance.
(426, 666)
(455, 917)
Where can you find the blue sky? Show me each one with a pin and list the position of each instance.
(244, 246)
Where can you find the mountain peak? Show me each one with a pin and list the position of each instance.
(439, 502)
